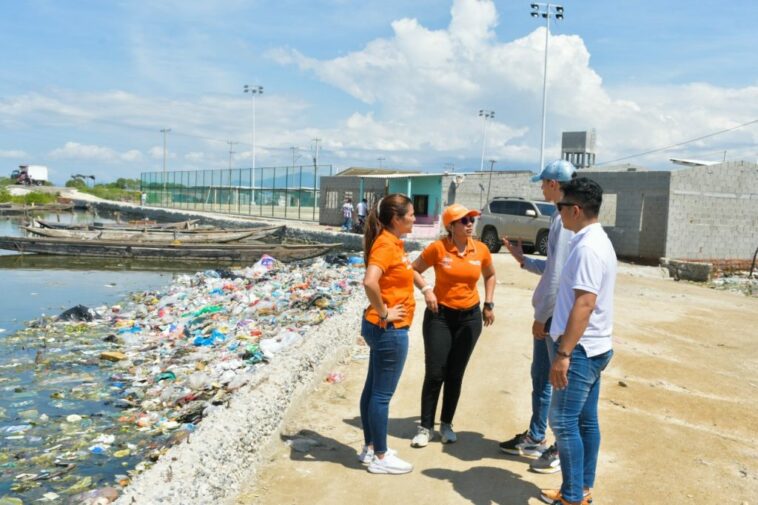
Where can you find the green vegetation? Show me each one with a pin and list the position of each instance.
(123, 190)
(27, 199)
(6, 181)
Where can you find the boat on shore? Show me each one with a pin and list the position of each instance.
(172, 235)
(21, 210)
(176, 251)
(188, 225)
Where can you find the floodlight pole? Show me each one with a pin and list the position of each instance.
(546, 10)
(485, 115)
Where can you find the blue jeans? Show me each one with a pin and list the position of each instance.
(347, 224)
(573, 418)
(541, 388)
(389, 348)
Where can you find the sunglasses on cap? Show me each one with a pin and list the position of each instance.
(466, 220)
(561, 205)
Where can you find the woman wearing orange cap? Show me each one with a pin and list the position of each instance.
(452, 320)
(388, 283)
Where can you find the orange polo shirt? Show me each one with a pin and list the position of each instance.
(456, 274)
(396, 282)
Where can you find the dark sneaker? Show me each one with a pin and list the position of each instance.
(549, 462)
(524, 445)
(447, 434)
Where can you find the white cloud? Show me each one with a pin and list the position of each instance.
(194, 156)
(74, 150)
(12, 153)
(425, 87)
(131, 155)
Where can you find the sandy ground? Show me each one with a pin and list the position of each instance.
(678, 410)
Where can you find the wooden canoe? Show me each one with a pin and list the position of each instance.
(20, 210)
(182, 225)
(239, 252)
(216, 236)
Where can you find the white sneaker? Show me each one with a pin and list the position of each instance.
(422, 437)
(447, 434)
(367, 454)
(390, 464)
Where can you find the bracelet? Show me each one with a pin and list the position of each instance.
(385, 316)
(563, 354)
(426, 288)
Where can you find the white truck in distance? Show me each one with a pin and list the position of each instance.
(30, 174)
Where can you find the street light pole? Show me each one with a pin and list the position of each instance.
(380, 160)
(546, 10)
(254, 91)
(164, 131)
(485, 115)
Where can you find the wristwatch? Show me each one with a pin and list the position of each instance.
(563, 354)
(489, 305)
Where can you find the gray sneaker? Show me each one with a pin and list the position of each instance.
(447, 435)
(524, 445)
(549, 462)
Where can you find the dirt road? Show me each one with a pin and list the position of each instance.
(678, 410)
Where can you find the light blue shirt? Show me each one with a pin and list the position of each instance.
(543, 299)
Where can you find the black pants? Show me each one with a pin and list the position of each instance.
(449, 339)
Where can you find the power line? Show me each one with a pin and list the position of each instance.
(659, 149)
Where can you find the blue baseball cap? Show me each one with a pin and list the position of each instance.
(558, 170)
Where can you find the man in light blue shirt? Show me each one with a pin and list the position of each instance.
(532, 442)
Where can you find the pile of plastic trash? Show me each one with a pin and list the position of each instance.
(108, 392)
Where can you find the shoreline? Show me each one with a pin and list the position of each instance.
(231, 442)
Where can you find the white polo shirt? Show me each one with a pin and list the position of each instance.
(591, 266)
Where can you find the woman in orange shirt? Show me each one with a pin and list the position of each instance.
(452, 319)
(388, 283)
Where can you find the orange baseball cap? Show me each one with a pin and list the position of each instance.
(455, 212)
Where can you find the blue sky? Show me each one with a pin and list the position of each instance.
(87, 85)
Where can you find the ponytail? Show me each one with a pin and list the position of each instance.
(380, 217)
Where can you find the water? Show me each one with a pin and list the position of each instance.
(47, 456)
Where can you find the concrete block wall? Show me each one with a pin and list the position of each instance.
(634, 216)
(334, 190)
(714, 212)
(637, 225)
(466, 189)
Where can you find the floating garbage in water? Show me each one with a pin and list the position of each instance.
(93, 402)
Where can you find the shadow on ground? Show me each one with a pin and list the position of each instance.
(485, 485)
(308, 445)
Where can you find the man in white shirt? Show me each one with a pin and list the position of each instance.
(581, 331)
(362, 209)
(347, 214)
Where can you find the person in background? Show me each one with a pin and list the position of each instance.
(581, 341)
(347, 214)
(388, 283)
(532, 442)
(362, 210)
(452, 319)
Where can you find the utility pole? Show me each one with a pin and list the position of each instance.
(380, 160)
(294, 152)
(314, 151)
(164, 131)
(489, 184)
(231, 151)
